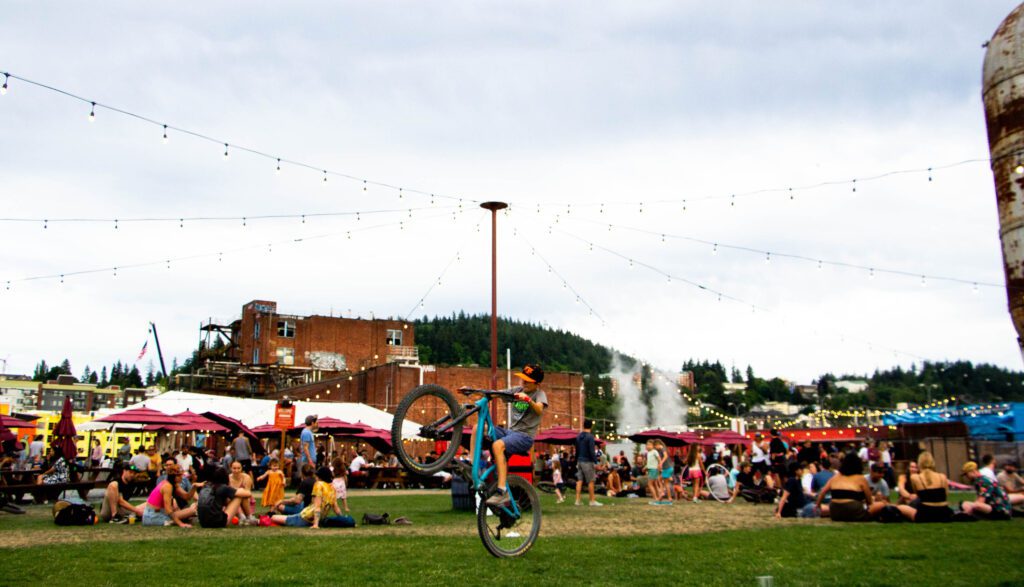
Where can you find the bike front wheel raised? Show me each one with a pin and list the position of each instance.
(424, 409)
(503, 535)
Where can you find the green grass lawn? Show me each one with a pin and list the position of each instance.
(793, 552)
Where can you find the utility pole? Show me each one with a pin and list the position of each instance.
(494, 207)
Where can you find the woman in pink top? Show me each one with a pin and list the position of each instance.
(161, 510)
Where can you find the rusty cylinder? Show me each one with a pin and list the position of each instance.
(1003, 94)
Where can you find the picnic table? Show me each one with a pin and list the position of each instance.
(372, 477)
(15, 484)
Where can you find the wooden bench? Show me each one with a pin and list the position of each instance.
(41, 493)
(372, 477)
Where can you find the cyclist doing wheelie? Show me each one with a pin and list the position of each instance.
(517, 438)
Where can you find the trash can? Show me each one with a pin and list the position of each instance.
(462, 497)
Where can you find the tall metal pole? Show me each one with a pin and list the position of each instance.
(494, 207)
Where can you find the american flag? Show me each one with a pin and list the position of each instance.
(143, 351)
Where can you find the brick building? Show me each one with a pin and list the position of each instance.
(268, 351)
(384, 387)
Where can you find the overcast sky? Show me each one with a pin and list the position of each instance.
(557, 108)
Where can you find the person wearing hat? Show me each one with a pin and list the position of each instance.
(307, 450)
(992, 502)
(517, 439)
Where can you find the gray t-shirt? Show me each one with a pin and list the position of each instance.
(880, 487)
(524, 418)
(242, 449)
(718, 485)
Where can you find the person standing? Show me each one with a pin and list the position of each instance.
(586, 462)
(124, 452)
(307, 444)
(243, 452)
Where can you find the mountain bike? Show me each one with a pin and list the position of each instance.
(506, 531)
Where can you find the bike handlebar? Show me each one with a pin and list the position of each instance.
(491, 392)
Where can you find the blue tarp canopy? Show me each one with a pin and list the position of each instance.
(987, 421)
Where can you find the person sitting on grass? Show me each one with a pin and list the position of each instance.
(905, 487)
(751, 485)
(219, 502)
(930, 489)
(876, 481)
(992, 502)
(794, 502)
(116, 508)
(303, 495)
(161, 509)
(319, 511)
(1010, 480)
(717, 486)
(613, 484)
(239, 479)
(852, 500)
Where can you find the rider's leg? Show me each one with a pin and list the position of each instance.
(498, 452)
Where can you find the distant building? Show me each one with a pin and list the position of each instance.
(266, 350)
(808, 392)
(734, 387)
(686, 381)
(852, 385)
(18, 392)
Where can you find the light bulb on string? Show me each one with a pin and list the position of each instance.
(181, 223)
(871, 273)
(244, 223)
(278, 170)
(165, 139)
(732, 201)
(767, 257)
(225, 151)
(790, 194)
(399, 193)
(974, 289)
(1019, 167)
(929, 174)
(325, 176)
(854, 182)
(364, 185)
(819, 265)
(3, 88)
(62, 278)
(923, 282)
(92, 112)
(630, 263)
(714, 249)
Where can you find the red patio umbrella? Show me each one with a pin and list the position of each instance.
(728, 437)
(64, 435)
(140, 416)
(333, 426)
(268, 430)
(232, 424)
(669, 438)
(6, 435)
(557, 435)
(12, 422)
(375, 437)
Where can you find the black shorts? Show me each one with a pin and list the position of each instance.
(760, 466)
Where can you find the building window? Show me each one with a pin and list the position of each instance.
(256, 356)
(394, 337)
(285, 356)
(256, 332)
(286, 328)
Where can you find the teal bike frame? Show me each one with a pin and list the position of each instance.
(484, 425)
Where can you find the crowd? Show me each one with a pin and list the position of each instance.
(843, 483)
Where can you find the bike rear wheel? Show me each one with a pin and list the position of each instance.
(504, 536)
(424, 406)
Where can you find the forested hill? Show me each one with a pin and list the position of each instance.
(466, 340)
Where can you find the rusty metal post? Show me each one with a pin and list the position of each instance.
(1003, 95)
(494, 207)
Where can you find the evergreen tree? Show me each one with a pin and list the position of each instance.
(86, 373)
(104, 382)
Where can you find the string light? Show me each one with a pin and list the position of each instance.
(92, 112)
(792, 256)
(3, 88)
(197, 134)
(225, 151)
(219, 255)
(165, 139)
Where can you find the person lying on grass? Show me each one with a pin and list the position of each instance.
(325, 503)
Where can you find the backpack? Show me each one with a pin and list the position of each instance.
(376, 519)
(66, 513)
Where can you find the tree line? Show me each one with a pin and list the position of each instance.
(119, 374)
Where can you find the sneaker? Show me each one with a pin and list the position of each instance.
(577, 503)
(500, 498)
(119, 520)
(654, 503)
(596, 504)
(560, 500)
